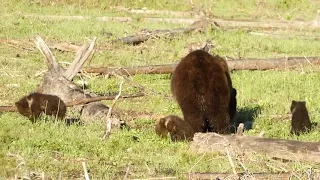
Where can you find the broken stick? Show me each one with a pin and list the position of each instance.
(108, 118)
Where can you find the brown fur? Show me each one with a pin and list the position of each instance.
(300, 118)
(202, 86)
(34, 104)
(179, 129)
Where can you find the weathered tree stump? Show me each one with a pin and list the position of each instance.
(58, 81)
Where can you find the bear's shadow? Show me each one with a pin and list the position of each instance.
(246, 116)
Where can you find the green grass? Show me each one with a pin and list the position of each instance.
(52, 147)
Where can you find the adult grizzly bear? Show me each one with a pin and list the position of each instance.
(202, 86)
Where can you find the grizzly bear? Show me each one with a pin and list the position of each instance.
(300, 121)
(34, 104)
(179, 129)
(201, 85)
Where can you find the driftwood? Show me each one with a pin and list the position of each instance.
(57, 81)
(220, 22)
(145, 35)
(243, 64)
(277, 148)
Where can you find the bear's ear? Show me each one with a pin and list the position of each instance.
(294, 102)
(303, 102)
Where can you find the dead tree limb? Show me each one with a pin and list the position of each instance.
(81, 56)
(256, 176)
(157, 12)
(61, 17)
(100, 98)
(8, 108)
(45, 51)
(61, 46)
(278, 148)
(80, 101)
(279, 36)
(188, 21)
(243, 64)
(108, 118)
(144, 36)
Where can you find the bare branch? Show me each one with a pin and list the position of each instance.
(144, 36)
(240, 129)
(81, 56)
(100, 98)
(159, 12)
(108, 118)
(85, 171)
(45, 51)
(226, 145)
(8, 108)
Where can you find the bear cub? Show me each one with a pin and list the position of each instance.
(300, 121)
(34, 104)
(178, 129)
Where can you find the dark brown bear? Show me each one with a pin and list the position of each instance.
(300, 118)
(179, 129)
(202, 86)
(34, 104)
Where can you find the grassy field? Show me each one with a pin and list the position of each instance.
(52, 148)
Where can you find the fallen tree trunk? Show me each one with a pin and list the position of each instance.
(61, 46)
(243, 64)
(157, 12)
(253, 176)
(277, 148)
(188, 21)
(279, 36)
(144, 36)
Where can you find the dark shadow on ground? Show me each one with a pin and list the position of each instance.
(246, 116)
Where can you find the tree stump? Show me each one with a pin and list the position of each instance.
(58, 81)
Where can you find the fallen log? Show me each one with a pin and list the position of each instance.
(145, 35)
(189, 21)
(278, 148)
(61, 46)
(243, 64)
(155, 12)
(279, 36)
(253, 176)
